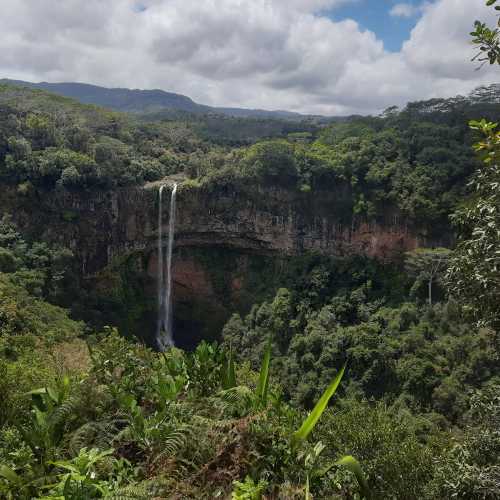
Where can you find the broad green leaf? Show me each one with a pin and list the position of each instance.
(231, 374)
(228, 375)
(67, 487)
(37, 392)
(67, 466)
(53, 394)
(351, 464)
(37, 398)
(264, 375)
(41, 417)
(309, 423)
(66, 383)
(10, 475)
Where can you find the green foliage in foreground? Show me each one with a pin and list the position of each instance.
(114, 419)
(309, 423)
(132, 423)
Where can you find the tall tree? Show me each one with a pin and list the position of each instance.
(427, 265)
(474, 272)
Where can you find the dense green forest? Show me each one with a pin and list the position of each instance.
(407, 349)
(418, 158)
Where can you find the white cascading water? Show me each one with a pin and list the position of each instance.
(164, 335)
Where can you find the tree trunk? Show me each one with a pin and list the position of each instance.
(430, 292)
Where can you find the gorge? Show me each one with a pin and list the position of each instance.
(232, 244)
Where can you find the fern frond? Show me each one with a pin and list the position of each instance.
(66, 409)
(174, 440)
(239, 399)
(99, 434)
(204, 422)
(142, 491)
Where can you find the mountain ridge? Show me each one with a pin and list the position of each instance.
(148, 100)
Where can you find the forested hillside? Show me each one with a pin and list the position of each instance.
(86, 413)
(418, 158)
(147, 101)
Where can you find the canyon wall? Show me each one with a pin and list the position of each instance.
(101, 225)
(222, 233)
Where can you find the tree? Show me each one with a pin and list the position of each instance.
(70, 177)
(474, 273)
(272, 159)
(428, 265)
(487, 39)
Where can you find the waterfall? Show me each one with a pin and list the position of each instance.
(168, 294)
(164, 335)
(160, 269)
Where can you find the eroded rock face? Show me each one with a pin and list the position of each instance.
(104, 227)
(100, 226)
(278, 221)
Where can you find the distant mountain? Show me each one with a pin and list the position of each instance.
(147, 101)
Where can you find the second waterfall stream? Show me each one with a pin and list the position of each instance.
(164, 333)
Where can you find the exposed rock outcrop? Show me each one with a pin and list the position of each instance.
(103, 227)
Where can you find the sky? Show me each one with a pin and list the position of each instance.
(391, 20)
(331, 57)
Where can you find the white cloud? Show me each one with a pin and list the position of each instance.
(405, 10)
(254, 53)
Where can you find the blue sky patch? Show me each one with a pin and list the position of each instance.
(139, 7)
(374, 15)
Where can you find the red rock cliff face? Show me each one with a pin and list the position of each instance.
(284, 222)
(99, 226)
